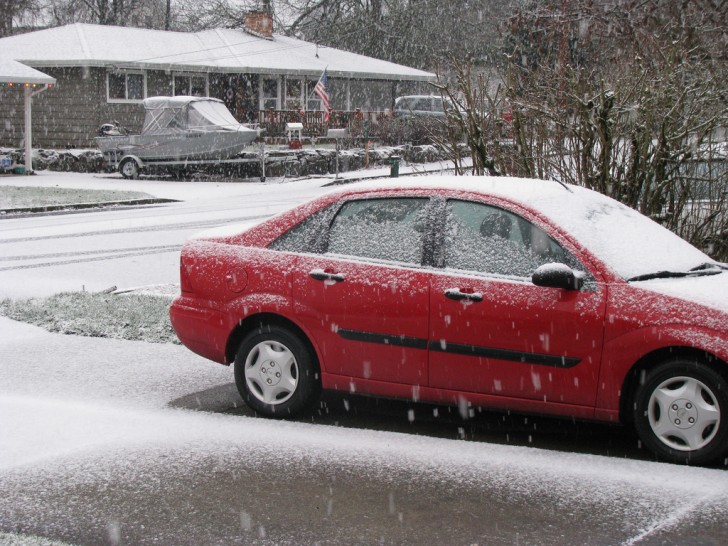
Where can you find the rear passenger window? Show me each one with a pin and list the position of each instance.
(381, 229)
(306, 236)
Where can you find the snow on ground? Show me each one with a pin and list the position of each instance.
(67, 400)
(64, 393)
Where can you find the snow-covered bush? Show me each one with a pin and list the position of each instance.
(626, 98)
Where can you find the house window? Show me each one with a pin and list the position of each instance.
(126, 86)
(195, 86)
(313, 103)
(293, 94)
(269, 88)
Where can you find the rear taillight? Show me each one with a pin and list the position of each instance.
(185, 284)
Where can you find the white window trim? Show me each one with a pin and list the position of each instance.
(126, 87)
(302, 98)
(190, 75)
(262, 98)
(311, 97)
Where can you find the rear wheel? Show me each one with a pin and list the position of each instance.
(129, 168)
(681, 412)
(276, 373)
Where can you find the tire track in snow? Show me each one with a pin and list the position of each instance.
(142, 229)
(672, 520)
(81, 253)
(106, 255)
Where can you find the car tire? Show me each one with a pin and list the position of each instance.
(681, 412)
(129, 168)
(276, 372)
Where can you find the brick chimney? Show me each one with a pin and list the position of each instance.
(259, 23)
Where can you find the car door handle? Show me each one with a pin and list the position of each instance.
(321, 275)
(457, 295)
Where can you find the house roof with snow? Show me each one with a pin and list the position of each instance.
(17, 73)
(218, 50)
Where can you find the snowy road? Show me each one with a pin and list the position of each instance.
(115, 442)
(96, 250)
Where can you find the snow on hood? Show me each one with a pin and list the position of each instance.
(627, 241)
(711, 291)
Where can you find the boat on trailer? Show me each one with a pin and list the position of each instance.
(177, 132)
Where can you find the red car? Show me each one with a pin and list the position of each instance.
(524, 295)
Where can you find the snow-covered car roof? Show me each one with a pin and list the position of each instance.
(627, 241)
(406, 98)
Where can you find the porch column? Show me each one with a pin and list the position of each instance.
(28, 130)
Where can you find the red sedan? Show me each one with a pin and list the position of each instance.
(523, 295)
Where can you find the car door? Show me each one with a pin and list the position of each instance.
(492, 331)
(364, 299)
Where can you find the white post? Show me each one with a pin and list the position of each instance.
(28, 131)
(29, 93)
(338, 146)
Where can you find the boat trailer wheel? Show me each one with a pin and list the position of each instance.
(129, 168)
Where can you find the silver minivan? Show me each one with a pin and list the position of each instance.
(419, 105)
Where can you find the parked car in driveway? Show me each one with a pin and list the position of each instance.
(525, 295)
(410, 106)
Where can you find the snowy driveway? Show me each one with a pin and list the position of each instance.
(96, 446)
(92, 453)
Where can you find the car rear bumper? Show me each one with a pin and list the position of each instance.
(199, 328)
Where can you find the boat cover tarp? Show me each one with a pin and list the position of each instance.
(170, 115)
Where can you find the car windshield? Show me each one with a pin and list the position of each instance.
(632, 244)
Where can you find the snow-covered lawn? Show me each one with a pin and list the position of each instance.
(29, 196)
(134, 316)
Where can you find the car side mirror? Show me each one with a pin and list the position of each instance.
(556, 275)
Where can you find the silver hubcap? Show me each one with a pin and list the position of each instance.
(684, 413)
(129, 169)
(271, 372)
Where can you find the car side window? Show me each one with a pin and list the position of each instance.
(382, 229)
(425, 105)
(305, 236)
(489, 239)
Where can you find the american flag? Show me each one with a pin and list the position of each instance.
(322, 90)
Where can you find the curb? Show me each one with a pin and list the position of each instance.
(80, 206)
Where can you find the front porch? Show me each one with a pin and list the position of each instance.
(360, 124)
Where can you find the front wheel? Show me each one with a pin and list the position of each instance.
(681, 412)
(276, 373)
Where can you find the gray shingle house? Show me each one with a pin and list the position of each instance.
(104, 72)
